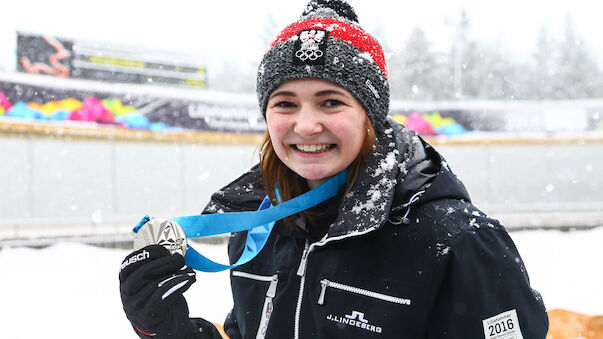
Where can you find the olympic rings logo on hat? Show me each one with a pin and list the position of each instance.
(304, 55)
(311, 45)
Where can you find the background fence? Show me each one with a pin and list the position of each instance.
(91, 182)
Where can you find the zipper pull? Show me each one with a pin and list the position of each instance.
(301, 270)
(323, 283)
(272, 288)
(302, 264)
(268, 308)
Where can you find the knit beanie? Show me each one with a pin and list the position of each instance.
(327, 43)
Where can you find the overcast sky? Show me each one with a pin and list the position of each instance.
(232, 30)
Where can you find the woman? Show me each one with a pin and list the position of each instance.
(400, 252)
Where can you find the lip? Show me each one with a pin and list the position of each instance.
(313, 154)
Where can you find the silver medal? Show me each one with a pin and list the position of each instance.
(166, 233)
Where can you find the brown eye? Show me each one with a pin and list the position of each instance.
(283, 104)
(332, 103)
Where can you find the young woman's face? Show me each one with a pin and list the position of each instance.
(317, 128)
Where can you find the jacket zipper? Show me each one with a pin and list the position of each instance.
(253, 276)
(327, 283)
(301, 271)
(268, 305)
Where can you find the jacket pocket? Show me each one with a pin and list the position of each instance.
(268, 307)
(325, 284)
(346, 311)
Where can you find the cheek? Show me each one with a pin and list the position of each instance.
(277, 128)
(277, 122)
(352, 131)
(276, 125)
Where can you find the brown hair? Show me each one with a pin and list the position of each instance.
(276, 173)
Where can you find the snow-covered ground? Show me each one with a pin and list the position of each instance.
(70, 290)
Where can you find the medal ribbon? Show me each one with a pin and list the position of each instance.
(259, 224)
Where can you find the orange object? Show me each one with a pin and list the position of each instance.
(564, 324)
(221, 330)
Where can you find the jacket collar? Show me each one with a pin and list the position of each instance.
(367, 206)
(404, 171)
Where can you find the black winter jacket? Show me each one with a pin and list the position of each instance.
(405, 255)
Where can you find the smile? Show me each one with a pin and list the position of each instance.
(314, 148)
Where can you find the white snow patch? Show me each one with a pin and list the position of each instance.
(386, 164)
(367, 56)
(374, 194)
(450, 210)
(402, 168)
(359, 207)
(332, 27)
(442, 249)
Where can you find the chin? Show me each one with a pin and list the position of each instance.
(315, 175)
(311, 176)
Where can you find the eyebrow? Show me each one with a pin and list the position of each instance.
(318, 94)
(329, 92)
(285, 93)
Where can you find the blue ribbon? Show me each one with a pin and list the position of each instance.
(259, 224)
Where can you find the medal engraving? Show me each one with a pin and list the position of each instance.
(166, 233)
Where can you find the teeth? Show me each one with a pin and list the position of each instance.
(312, 148)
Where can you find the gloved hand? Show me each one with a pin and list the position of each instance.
(151, 285)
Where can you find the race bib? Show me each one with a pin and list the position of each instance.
(502, 326)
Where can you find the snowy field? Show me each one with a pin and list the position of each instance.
(70, 290)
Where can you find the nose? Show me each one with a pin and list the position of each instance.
(308, 123)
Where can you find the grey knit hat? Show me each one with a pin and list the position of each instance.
(327, 43)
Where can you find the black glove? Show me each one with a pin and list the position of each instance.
(151, 285)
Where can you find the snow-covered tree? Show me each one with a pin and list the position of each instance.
(417, 72)
(577, 72)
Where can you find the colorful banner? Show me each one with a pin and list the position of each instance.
(26, 101)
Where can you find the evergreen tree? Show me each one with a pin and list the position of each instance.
(542, 67)
(417, 71)
(577, 73)
(488, 73)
